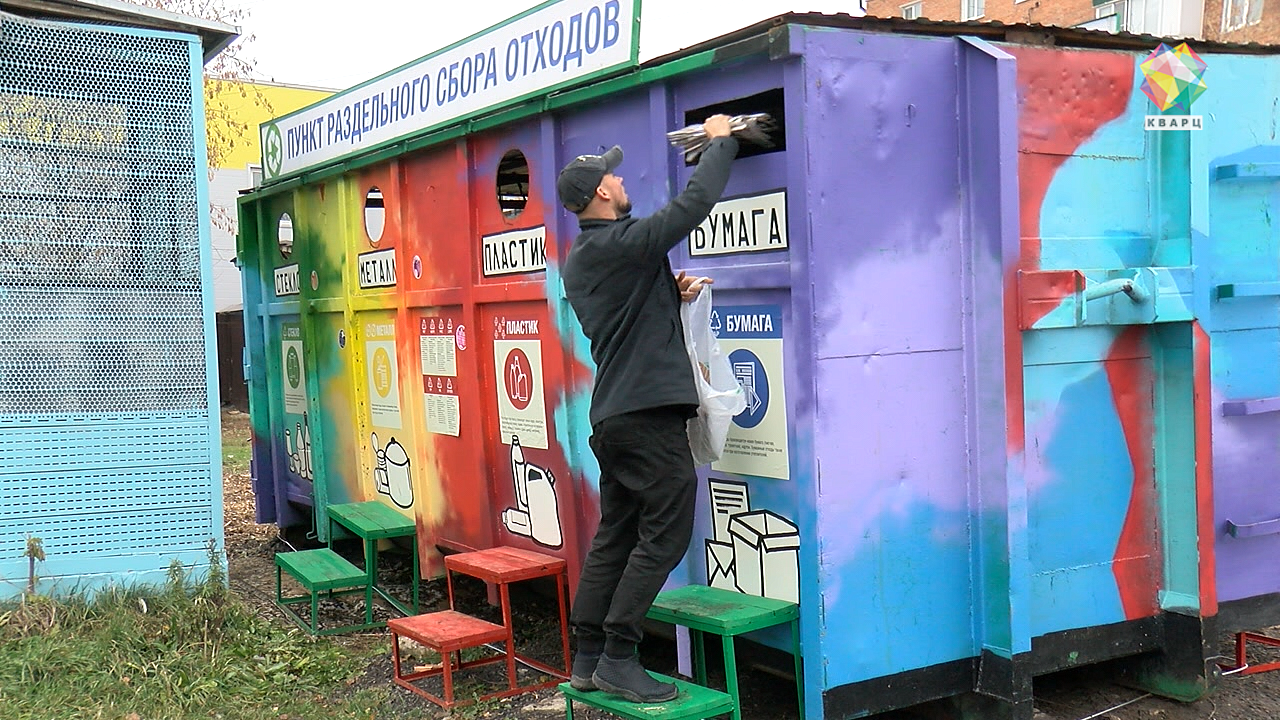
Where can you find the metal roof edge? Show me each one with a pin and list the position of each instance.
(708, 51)
(214, 36)
(1026, 34)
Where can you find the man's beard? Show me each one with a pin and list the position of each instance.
(624, 207)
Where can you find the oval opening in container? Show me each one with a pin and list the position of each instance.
(513, 183)
(375, 215)
(284, 235)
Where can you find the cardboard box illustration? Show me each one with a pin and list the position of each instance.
(766, 550)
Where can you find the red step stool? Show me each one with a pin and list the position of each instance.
(449, 631)
(1243, 666)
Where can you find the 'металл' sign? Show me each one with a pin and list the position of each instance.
(556, 44)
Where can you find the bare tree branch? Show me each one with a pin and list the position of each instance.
(232, 68)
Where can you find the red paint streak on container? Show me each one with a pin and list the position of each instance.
(1203, 412)
(1138, 561)
(1064, 97)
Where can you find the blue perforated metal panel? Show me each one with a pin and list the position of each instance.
(108, 447)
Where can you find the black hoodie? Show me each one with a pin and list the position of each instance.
(620, 284)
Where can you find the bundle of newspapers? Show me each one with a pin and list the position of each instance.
(754, 128)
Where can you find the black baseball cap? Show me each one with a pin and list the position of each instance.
(580, 178)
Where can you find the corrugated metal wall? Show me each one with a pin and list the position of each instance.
(107, 443)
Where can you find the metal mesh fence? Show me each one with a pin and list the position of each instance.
(101, 308)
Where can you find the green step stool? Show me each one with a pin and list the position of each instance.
(693, 702)
(322, 571)
(727, 613)
(372, 521)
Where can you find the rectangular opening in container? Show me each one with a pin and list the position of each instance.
(769, 101)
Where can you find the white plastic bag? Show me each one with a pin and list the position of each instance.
(720, 395)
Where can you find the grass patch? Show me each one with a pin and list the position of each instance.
(180, 651)
(236, 448)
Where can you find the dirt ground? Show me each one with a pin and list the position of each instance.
(1084, 694)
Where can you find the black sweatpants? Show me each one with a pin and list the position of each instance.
(647, 490)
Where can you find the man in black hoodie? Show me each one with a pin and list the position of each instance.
(621, 286)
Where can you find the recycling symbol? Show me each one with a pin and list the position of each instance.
(293, 368)
(273, 150)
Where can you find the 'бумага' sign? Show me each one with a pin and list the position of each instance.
(752, 223)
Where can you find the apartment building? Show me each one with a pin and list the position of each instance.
(1235, 21)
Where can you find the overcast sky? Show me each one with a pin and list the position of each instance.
(339, 43)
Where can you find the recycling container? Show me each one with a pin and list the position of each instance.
(1003, 345)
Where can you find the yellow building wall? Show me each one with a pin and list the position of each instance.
(234, 109)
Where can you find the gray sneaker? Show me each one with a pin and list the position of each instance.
(628, 679)
(584, 664)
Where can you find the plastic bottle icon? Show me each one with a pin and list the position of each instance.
(519, 382)
(543, 507)
(537, 511)
(517, 519)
